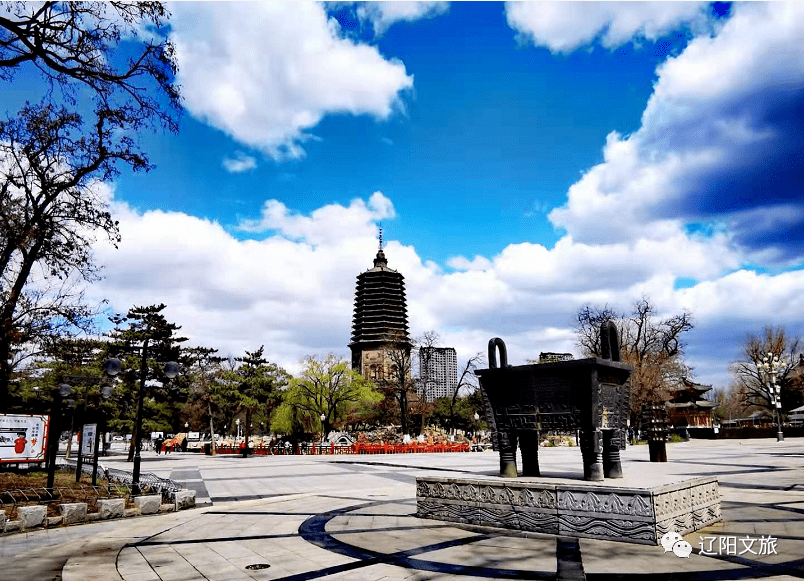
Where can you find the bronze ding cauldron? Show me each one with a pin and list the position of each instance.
(590, 395)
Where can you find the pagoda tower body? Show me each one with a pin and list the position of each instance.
(380, 319)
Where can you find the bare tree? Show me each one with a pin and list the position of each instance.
(466, 381)
(748, 384)
(399, 382)
(655, 348)
(71, 44)
(729, 402)
(46, 315)
(587, 327)
(54, 154)
(423, 349)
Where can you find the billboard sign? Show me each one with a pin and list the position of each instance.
(23, 438)
(88, 439)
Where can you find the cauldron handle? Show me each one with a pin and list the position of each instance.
(493, 345)
(609, 342)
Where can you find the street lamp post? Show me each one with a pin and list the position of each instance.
(768, 369)
(237, 437)
(105, 394)
(113, 367)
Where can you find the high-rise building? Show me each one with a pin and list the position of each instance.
(438, 372)
(380, 319)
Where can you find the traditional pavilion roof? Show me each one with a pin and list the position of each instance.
(689, 386)
(701, 403)
(687, 394)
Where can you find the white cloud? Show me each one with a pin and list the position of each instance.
(293, 296)
(566, 26)
(718, 142)
(383, 14)
(326, 224)
(266, 73)
(240, 163)
(462, 263)
(293, 289)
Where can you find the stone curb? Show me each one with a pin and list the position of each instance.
(35, 517)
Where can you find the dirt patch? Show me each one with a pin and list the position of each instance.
(24, 489)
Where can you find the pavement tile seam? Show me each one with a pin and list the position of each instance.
(769, 514)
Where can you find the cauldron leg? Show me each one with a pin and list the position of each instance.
(612, 467)
(508, 454)
(657, 450)
(591, 452)
(529, 444)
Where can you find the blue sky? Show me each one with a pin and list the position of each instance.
(523, 160)
(492, 135)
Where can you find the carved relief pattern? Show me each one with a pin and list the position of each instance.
(537, 498)
(609, 503)
(561, 421)
(705, 494)
(607, 528)
(595, 514)
(538, 522)
(689, 521)
(487, 494)
(556, 406)
(686, 499)
(468, 514)
(614, 404)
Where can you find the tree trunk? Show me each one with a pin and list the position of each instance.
(69, 445)
(211, 430)
(7, 320)
(130, 457)
(5, 366)
(403, 409)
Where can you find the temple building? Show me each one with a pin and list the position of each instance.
(380, 319)
(687, 407)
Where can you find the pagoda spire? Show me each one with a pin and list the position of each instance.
(380, 260)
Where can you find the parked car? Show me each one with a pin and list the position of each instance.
(117, 438)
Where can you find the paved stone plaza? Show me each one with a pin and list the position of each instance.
(352, 517)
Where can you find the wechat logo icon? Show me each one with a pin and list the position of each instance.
(672, 541)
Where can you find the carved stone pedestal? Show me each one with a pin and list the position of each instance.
(573, 509)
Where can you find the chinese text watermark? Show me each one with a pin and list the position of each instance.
(733, 545)
(721, 545)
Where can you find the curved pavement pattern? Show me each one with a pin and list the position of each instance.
(352, 517)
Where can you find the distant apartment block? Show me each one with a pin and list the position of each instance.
(550, 357)
(438, 372)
